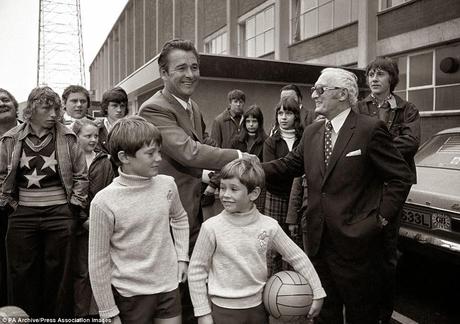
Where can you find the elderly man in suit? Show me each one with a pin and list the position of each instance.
(347, 157)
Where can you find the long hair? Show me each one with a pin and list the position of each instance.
(289, 104)
(255, 112)
(42, 96)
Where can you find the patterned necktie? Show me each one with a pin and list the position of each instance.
(190, 113)
(327, 142)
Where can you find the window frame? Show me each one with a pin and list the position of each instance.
(242, 21)
(432, 86)
(302, 34)
(207, 40)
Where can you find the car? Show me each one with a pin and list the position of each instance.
(431, 213)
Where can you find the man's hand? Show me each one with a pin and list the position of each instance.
(206, 319)
(182, 273)
(245, 155)
(293, 229)
(315, 308)
(115, 320)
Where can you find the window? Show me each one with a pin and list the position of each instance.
(217, 44)
(313, 17)
(259, 33)
(385, 4)
(422, 82)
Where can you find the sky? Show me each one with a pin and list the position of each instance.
(19, 39)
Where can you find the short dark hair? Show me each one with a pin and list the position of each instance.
(130, 135)
(75, 89)
(386, 64)
(249, 172)
(289, 104)
(293, 87)
(117, 95)
(42, 95)
(12, 98)
(236, 94)
(171, 45)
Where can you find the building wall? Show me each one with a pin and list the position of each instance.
(415, 15)
(247, 5)
(186, 9)
(330, 42)
(215, 15)
(144, 26)
(150, 30)
(165, 18)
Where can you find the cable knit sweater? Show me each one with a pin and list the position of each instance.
(230, 254)
(130, 245)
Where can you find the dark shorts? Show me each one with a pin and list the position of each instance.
(144, 308)
(253, 315)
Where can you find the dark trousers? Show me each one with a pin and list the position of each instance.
(253, 315)
(390, 262)
(354, 284)
(39, 245)
(3, 286)
(84, 305)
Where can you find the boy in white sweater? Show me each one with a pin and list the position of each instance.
(135, 264)
(230, 254)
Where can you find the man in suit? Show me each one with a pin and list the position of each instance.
(346, 158)
(184, 152)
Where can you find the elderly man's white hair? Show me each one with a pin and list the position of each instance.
(344, 79)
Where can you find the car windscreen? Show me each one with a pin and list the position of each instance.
(442, 151)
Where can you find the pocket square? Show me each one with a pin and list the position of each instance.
(354, 153)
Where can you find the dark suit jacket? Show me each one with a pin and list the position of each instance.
(348, 196)
(184, 155)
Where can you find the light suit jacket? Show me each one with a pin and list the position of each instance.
(184, 155)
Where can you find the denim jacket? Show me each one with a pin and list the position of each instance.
(71, 165)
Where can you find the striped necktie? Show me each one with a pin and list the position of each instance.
(190, 113)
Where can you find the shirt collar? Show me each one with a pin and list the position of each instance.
(183, 103)
(29, 131)
(338, 121)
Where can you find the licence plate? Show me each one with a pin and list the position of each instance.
(416, 217)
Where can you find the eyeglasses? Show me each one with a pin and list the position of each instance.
(320, 89)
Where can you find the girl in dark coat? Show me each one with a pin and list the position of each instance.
(251, 139)
(286, 136)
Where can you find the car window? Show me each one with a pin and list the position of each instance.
(442, 151)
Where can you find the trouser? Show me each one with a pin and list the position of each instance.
(39, 245)
(188, 316)
(3, 281)
(353, 284)
(390, 262)
(253, 315)
(84, 305)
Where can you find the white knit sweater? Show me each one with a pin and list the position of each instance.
(130, 243)
(230, 254)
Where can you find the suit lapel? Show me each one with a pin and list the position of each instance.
(344, 136)
(182, 115)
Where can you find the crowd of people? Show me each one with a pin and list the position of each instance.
(103, 218)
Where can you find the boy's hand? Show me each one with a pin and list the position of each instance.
(293, 229)
(182, 273)
(206, 319)
(315, 308)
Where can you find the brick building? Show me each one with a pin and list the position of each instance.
(422, 35)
